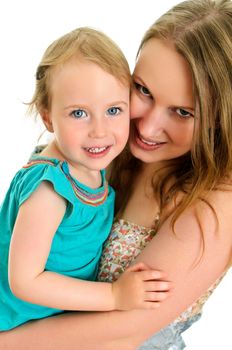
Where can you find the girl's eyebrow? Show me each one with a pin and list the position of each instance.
(118, 103)
(81, 105)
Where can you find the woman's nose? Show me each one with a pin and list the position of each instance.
(152, 123)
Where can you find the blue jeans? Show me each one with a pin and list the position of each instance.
(169, 338)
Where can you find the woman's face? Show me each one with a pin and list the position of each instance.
(162, 104)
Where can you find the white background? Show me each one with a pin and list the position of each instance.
(27, 27)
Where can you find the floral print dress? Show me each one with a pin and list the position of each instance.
(125, 242)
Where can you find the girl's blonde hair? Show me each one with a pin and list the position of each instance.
(85, 43)
(201, 31)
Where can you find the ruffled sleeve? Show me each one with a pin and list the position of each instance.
(37, 170)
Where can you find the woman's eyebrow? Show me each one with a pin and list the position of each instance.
(184, 107)
(134, 76)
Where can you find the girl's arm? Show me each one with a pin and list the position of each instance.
(37, 221)
(191, 265)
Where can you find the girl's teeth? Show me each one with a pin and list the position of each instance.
(96, 149)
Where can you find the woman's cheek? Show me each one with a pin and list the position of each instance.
(136, 106)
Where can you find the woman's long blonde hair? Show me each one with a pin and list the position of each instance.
(201, 31)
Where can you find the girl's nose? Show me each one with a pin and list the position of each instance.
(98, 128)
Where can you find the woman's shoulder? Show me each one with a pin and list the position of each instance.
(211, 213)
(207, 226)
(219, 203)
(212, 208)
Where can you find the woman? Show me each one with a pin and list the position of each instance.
(174, 189)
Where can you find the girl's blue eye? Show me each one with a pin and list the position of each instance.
(183, 113)
(143, 90)
(79, 113)
(113, 111)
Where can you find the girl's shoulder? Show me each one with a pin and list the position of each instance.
(39, 169)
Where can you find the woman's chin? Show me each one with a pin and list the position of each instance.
(141, 154)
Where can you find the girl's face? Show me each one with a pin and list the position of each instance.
(89, 115)
(162, 104)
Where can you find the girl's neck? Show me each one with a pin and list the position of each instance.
(90, 178)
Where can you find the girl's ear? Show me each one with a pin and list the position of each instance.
(46, 118)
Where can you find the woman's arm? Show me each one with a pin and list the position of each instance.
(192, 269)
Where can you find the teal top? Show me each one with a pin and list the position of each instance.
(77, 244)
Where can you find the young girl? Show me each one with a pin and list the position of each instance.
(59, 208)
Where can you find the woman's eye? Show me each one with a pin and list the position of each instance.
(143, 90)
(113, 110)
(79, 113)
(183, 113)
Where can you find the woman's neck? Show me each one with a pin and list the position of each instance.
(149, 169)
(142, 207)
